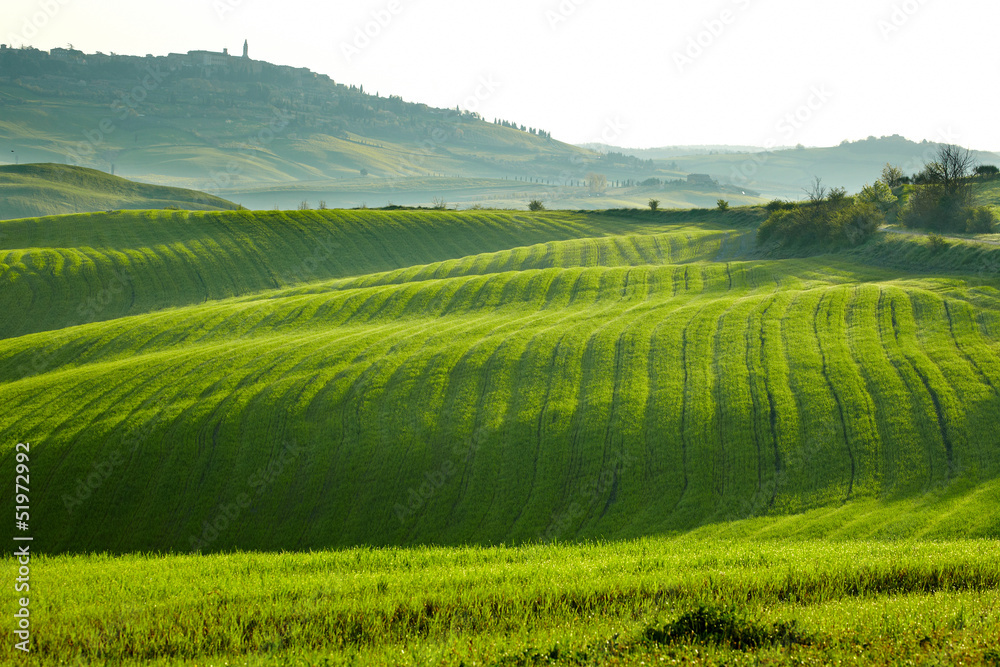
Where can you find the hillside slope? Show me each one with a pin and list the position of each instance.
(483, 377)
(33, 190)
(170, 121)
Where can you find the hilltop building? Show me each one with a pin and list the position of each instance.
(209, 60)
(67, 55)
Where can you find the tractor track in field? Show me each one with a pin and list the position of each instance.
(779, 467)
(935, 399)
(972, 362)
(836, 397)
(615, 406)
(539, 423)
(516, 372)
(755, 401)
(575, 470)
(684, 408)
(333, 386)
(930, 392)
(897, 359)
(414, 356)
(541, 316)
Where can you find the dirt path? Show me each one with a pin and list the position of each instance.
(909, 232)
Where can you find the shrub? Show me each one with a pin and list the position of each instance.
(783, 224)
(654, 204)
(987, 171)
(843, 223)
(536, 205)
(980, 220)
(855, 224)
(937, 243)
(931, 207)
(779, 205)
(722, 205)
(837, 197)
(879, 194)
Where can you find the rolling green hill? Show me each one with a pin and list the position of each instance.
(322, 379)
(33, 190)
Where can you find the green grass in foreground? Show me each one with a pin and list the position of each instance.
(700, 600)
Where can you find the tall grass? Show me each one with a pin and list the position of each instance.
(627, 601)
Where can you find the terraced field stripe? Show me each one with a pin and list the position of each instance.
(894, 409)
(932, 436)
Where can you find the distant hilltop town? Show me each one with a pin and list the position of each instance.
(209, 63)
(214, 59)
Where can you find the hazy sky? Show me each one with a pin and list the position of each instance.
(636, 73)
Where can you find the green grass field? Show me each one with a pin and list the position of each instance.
(51, 189)
(809, 439)
(701, 600)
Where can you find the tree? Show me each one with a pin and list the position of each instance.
(722, 205)
(654, 204)
(944, 193)
(880, 194)
(987, 171)
(817, 191)
(536, 205)
(837, 196)
(892, 176)
(980, 220)
(952, 168)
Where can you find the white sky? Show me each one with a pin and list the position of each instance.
(593, 70)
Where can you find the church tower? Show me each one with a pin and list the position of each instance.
(246, 49)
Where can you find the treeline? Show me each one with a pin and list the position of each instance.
(530, 130)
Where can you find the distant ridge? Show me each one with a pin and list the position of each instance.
(31, 190)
